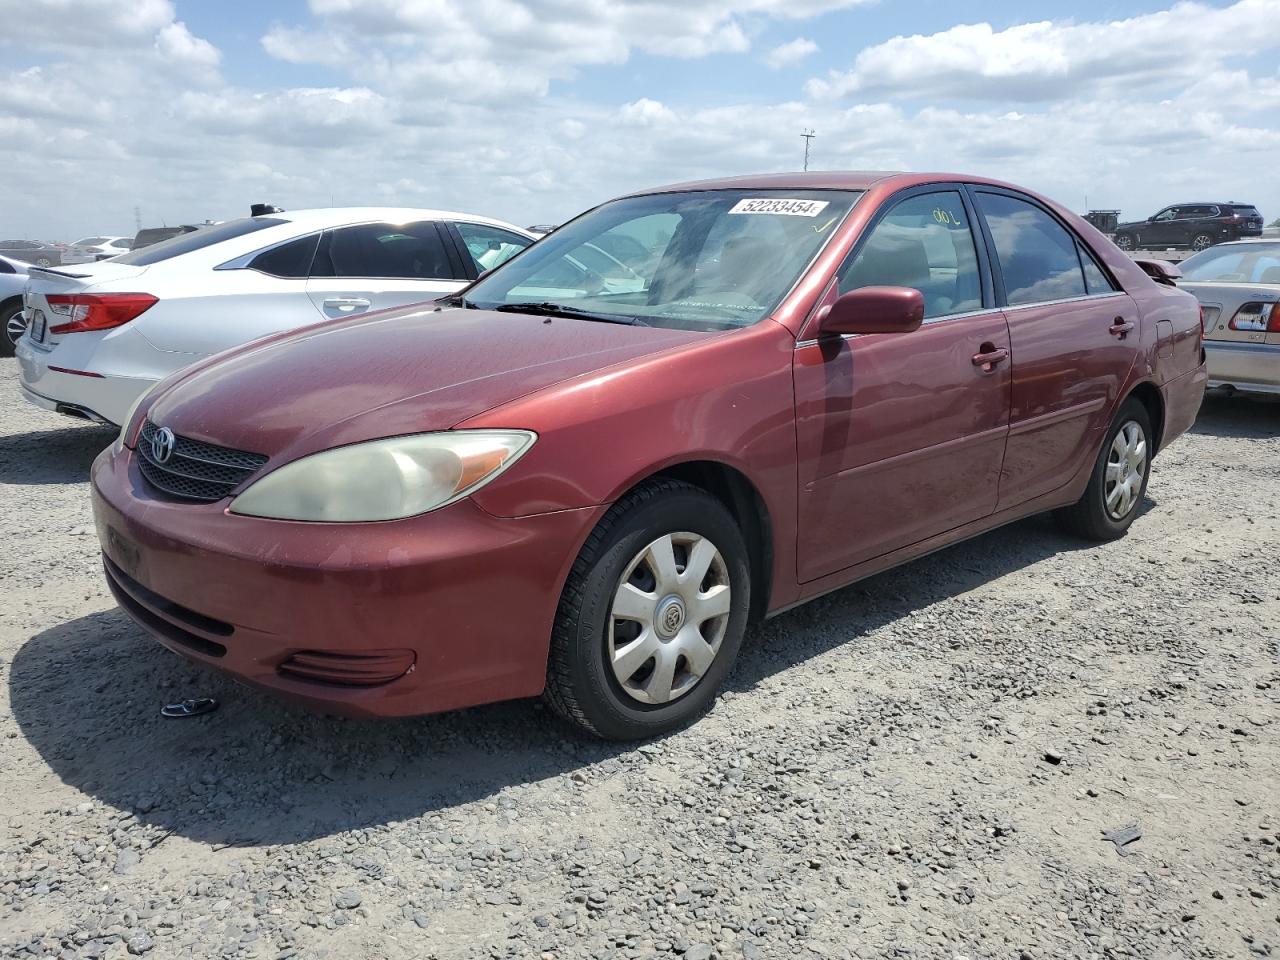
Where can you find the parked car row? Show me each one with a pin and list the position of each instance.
(589, 462)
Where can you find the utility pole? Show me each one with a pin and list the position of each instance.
(808, 136)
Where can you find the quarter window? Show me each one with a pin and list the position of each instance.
(402, 251)
(1094, 278)
(924, 242)
(490, 246)
(290, 260)
(1038, 258)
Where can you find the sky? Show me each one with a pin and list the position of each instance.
(534, 110)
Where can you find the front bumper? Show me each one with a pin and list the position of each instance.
(1251, 367)
(472, 596)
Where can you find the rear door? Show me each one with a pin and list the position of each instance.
(1074, 336)
(373, 266)
(901, 436)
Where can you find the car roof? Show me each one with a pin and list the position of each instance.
(829, 180)
(321, 217)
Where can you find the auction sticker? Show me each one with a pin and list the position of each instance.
(780, 205)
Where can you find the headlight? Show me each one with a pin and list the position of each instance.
(118, 446)
(384, 479)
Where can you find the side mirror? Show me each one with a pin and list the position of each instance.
(873, 310)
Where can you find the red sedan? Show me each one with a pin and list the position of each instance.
(687, 409)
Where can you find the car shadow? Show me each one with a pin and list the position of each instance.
(53, 456)
(259, 771)
(1238, 415)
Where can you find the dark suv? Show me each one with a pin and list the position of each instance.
(1194, 225)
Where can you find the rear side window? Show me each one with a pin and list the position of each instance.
(6, 267)
(401, 251)
(1246, 210)
(196, 240)
(924, 242)
(1038, 258)
(490, 246)
(288, 260)
(1095, 277)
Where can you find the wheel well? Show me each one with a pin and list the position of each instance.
(740, 497)
(1147, 394)
(10, 301)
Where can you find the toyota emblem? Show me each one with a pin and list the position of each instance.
(162, 444)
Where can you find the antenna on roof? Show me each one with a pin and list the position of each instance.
(808, 136)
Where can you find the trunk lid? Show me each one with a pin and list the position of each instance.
(74, 278)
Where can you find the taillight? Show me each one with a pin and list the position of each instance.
(1257, 318)
(96, 311)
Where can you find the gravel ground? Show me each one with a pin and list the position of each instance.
(922, 765)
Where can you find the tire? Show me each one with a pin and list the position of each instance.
(1124, 241)
(11, 324)
(44, 262)
(1090, 517)
(583, 686)
(1201, 241)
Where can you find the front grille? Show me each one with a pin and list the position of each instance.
(195, 470)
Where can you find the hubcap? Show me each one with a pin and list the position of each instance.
(1126, 468)
(669, 616)
(15, 327)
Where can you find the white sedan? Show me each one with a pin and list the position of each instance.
(91, 249)
(100, 334)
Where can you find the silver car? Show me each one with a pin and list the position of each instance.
(1238, 286)
(13, 281)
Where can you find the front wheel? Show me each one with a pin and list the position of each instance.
(44, 262)
(14, 322)
(1119, 481)
(1124, 241)
(1201, 241)
(652, 614)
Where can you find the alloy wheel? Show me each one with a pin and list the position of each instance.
(1201, 242)
(1124, 242)
(44, 262)
(15, 326)
(1126, 469)
(668, 618)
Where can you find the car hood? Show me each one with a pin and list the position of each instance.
(405, 371)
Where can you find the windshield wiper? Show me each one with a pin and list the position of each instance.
(457, 300)
(563, 310)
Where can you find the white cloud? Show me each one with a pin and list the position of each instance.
(1059, 60)
(788, 54)
(474, 105)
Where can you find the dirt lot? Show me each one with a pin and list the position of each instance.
(919, 766)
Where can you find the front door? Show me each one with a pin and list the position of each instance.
(1075, 337)
(1162, 230)
(901, 436)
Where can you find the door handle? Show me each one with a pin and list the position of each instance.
(1120, 327)
(988, 356)
(346, 304)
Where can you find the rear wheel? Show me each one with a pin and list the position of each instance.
(1119, 481)
(1201, 241)
(14, 322)
(652, 615)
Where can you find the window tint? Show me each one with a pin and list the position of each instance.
(924, 242)
(490, 246)
(289, 260)
(1037, 255)
(195, 240)
(1246, 210)
(6, 267)
(402, 251)
(1095, 279)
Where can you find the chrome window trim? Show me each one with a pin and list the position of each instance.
(1049, 303)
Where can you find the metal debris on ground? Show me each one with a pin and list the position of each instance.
(1123, 837)
(189, 708)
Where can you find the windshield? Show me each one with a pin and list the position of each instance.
(195, 240)
(1239, 263)
(701, 260)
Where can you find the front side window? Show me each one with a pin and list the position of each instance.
(695, 260)
(1164, 215)
(176, 246)
(1038, 257)
(399, 251)
(124, 243)
(925, 242)
(490, 246)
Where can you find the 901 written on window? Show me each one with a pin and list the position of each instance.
(924, 242)
(1039, 259)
